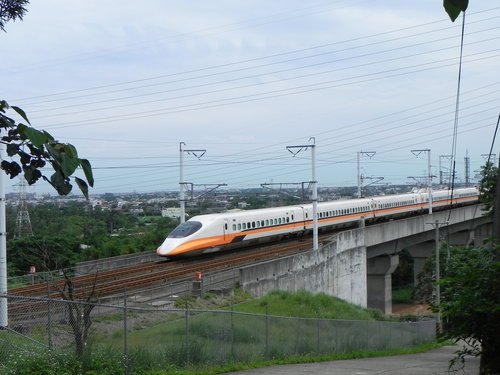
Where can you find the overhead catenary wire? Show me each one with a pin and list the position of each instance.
(255, 97)
(330, 146)
(374, 53)
(350, 67)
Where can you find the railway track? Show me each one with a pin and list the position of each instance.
(130, 278)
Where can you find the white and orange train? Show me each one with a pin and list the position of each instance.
(233, 229)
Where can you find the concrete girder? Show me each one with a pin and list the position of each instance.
(379, 282)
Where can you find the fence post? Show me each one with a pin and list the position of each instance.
(187, 332)
(125, 338)
(297, 337)
(232, 330)
(49, 317)
(317, 337)
(267, 332)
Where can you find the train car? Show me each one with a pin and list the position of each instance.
(233, 229)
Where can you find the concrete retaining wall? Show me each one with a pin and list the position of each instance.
(338, 269)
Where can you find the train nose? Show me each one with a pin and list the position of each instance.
(167, 247)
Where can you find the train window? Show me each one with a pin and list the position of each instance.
(253, 224)
(234, 226)
(185, 229)
(225, 226)
(262, 223)
(257, 224)
(287, 219)
(292, 216)
(244, 226)
(267, 222)
(239, 226)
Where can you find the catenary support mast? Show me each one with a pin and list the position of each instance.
(3, 247)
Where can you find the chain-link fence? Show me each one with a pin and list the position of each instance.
(99, 338)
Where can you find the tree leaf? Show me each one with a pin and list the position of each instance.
(54, 152)
(36, 137)
(69, 164)
(454, 7)
(21, 113)
(12, 168)
(83, 187)
(87, 169)
(12, 149)
(61, 183)
(70, 150)
(32, 174)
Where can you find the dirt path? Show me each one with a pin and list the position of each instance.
(411, 309)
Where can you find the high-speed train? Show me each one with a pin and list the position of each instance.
(232, 229)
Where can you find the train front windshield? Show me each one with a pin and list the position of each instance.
(185, 229)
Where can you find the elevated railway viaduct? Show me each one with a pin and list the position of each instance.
(356, 265)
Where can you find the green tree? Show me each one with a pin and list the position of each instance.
(488, 187)
(10, 10)
(470, 304)
(46, 253)
(32, 148)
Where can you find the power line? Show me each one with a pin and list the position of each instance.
(262, 58)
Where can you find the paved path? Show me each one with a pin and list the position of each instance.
(433, 362)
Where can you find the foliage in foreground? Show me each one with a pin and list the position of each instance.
(108, 361)
(487, 187)
(34, 149)
(470, 304)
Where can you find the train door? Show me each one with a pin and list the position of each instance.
(304, 216)
(225, 229)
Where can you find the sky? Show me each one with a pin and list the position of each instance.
(126, 82)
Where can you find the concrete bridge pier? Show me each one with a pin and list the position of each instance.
(379, 285)
(482, 233)
(420, 252)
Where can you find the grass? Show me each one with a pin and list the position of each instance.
(289, 328)
(306, 305)
(230, 367)
(403, 294)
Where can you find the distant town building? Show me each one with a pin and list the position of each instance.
(171, 212)
(243, 204)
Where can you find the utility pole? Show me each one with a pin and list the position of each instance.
(429, 175)
(3, 247)
(436, 225)
(294, 150)
(182, 201)
(370, 154)
(467, 168)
